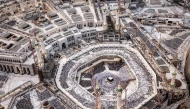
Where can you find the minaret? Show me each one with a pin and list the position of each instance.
(117, 20)
(126, 3)
(172, 84)
(42, 4)
(39, 56)
(33, 41)
(104, 19)
(12, 12)
(21, 5)
(36, 3)
(97, 92)
(90, 2)
(44, 52)
(119, 92)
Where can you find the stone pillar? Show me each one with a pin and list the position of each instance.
(44, 52)
(12, 13)
(127, 2)
(21, 6)
(39, 56)
(42, 4)
(177, 23)
(36, 3)
(119, 92)
(173, 80)
(104, 19)
(90, 2)
(117, 20)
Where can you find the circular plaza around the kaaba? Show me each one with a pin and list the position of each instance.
(107, 65)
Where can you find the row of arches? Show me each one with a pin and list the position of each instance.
(26, 70)
(10, 60)
(89, 24)
(6, 68)
(11, 69)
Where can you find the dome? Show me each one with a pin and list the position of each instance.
(42, 19)
(45, 103)
(51, 107)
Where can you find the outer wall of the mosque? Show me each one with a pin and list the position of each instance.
(187, 67)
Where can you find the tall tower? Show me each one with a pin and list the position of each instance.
(42, 4)
(105, 25)
(36, 3)
(21, 5)
(39, 56)
(90, 2)
(126, 3)
(119, 92)
(117, 25)
(44, 52)
(98, 92)
(172, 84)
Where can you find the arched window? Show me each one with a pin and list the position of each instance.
(18, 70)
(4, 68)
(24, 70)
(8, 68)
(1, 67)
(28, 70)
(12, 69)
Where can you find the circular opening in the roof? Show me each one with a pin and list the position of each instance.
(177, 82)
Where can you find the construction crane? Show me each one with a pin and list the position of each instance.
(158, 95)
(95, 90)
(157, 46)
(144, 43)
(27, 35)
(174, 58)
(125, 104)
(171, 62)
(35, 60)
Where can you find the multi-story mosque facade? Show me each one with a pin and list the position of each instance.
(94, 54)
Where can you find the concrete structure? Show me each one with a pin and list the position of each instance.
(117, 25)
(36, 3)
(119, 93)
(105, 19)
(44, 52)
(186, 19)
(39, 56)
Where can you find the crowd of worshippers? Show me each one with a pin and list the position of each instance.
(145, 88)
(43, 95)
(24, 103)
(64, 74)
(115, 66)
(82, 98)
(56, 104)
